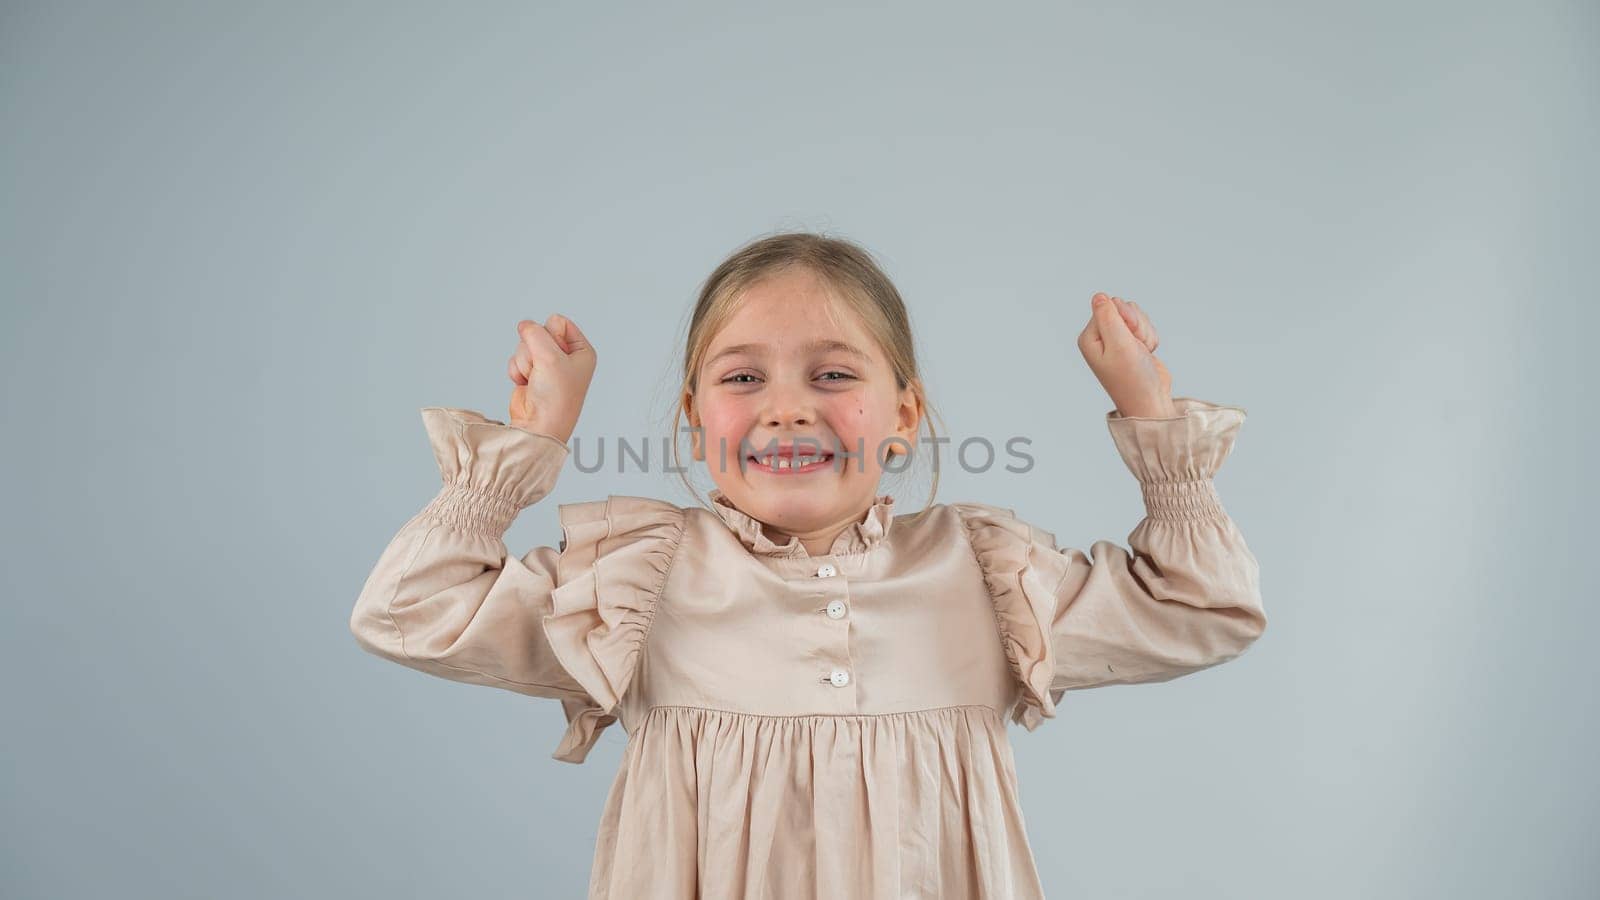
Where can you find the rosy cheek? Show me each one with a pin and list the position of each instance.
(850, 421)
(858, 410)
(722, 433)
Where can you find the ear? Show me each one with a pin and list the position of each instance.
(908, 416)
(697, 448)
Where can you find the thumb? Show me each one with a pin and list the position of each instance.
(567, 334)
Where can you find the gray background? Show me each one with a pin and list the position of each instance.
(242, 246)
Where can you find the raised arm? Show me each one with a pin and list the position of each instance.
(1185, 594)
(446, 597)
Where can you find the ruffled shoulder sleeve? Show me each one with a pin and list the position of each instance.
(1021, 568)
(615, 557)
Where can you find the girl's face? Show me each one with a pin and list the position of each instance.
(791, 373)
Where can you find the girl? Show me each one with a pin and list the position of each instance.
(815, 689)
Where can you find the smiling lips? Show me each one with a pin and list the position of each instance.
(787, 462)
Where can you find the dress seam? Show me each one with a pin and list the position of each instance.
(749, 715)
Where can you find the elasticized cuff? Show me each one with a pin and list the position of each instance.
(1176, 500)
(469, 510)
(1175, 457)
(490, 470)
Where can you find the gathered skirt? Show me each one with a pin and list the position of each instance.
(716, 804)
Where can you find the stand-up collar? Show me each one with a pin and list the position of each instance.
(858, 538)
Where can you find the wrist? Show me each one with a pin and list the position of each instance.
(547, 429)
(1164, 409)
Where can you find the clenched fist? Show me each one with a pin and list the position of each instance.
(551, 369)
(1119, 345)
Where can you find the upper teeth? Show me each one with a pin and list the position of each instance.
(784, 462)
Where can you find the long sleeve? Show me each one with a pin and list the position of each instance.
(446, 597)
(1184, 594)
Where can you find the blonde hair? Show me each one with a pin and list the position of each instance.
(857, 283)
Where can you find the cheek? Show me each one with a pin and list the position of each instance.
(724, 425)
(853, 416)
(865, 426)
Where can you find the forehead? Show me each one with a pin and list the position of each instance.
(791, 312)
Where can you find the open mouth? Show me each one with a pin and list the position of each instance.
(786, 464)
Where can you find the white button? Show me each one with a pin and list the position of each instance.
(840, 678)
(836, 609)
(826, 570)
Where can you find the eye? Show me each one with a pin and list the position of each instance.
(730, 378)
(843, 376)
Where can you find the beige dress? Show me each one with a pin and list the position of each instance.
(799, 726)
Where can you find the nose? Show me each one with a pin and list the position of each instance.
(788, 408)
(790, 417)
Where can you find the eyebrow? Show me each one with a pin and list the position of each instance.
(825, 346)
